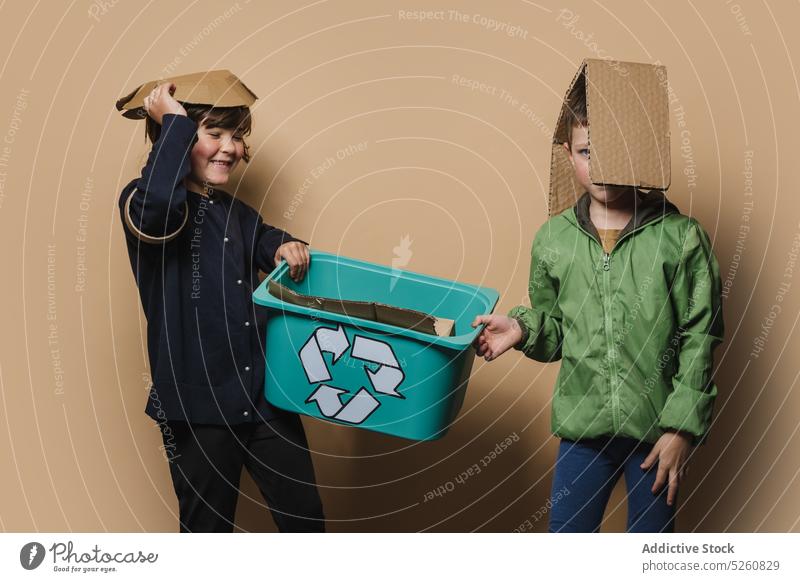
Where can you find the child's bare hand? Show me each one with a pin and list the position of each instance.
(671, 452)
(298, 257)
(160, 102)
(500, 334)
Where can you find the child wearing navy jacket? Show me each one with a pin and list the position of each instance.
(195, 252)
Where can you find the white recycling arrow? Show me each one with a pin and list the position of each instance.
(386, 380)
(389, 376)
(373, 351)
(327, 398)
(333, 341)
(324, 339)
(313, 362)
(359, 407)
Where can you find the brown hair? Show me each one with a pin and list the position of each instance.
(234, 118)
(576, 109)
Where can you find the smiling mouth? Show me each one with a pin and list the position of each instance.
(221, 163)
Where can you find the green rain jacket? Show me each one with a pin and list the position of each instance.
(634, 329)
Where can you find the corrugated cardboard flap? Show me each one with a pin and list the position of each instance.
(388, 314)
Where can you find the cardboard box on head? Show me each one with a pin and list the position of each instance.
(219, 88)
(627, 108)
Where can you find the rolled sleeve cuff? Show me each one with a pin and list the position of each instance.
(519, 313)
(689, 410)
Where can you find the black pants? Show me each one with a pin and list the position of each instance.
(206, 463)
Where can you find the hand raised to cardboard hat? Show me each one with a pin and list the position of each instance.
(214, 88)
(160, 101)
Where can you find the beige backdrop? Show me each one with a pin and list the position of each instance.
(435, 129)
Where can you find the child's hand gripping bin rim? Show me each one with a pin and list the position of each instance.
(433, 371)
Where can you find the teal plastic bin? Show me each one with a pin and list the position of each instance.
(364, 373)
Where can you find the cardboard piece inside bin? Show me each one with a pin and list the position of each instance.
(219, 88)
(628, 111)
(380, 312)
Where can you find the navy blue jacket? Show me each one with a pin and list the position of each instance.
(204, 333)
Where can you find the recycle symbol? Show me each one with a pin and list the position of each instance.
(384, 380)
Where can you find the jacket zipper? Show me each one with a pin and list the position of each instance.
(611, 352)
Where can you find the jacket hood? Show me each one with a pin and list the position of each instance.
(648, 207)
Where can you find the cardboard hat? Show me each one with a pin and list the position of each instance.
(218, 88)
(628, 111)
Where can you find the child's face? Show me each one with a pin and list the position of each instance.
(215, 155)
(579, 156)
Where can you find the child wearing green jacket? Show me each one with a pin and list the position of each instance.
(625, 291)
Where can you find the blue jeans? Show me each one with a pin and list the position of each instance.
(587, 471)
